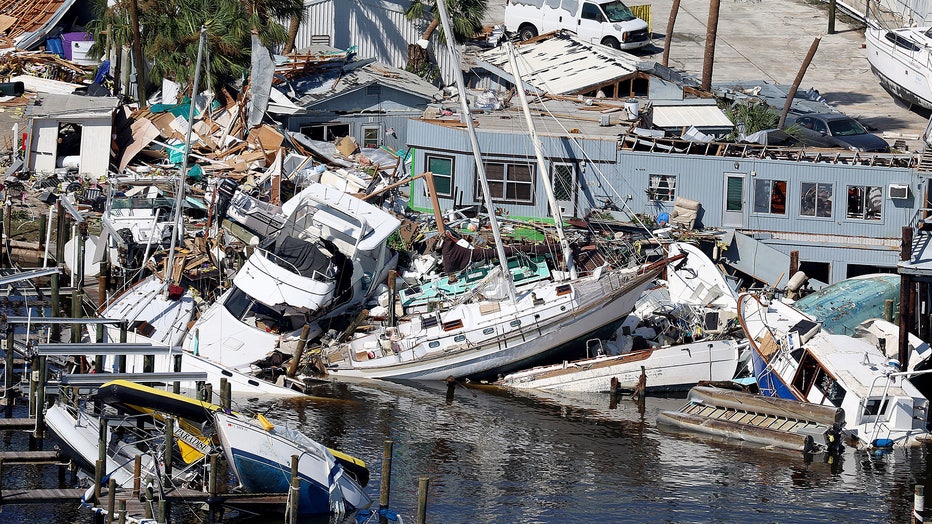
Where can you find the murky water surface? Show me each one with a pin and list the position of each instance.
(494, 455)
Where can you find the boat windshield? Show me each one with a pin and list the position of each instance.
(846, 127)
(618, 12)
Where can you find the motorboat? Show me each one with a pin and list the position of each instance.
(901, 60)
(329, 257)
(794, 358)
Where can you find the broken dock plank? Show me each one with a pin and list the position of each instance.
(7, 424)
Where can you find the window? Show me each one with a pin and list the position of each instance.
(510, 183)
(734, 199)
(770, 196)
(591, 12)
(325, 132)
(662, 188)
(370, 137)
(442, 168)
(816, 200)
(563, 179)
(865, 202)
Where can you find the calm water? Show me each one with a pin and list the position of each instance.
(499, 456)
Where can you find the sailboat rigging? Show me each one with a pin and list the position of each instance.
(484, 336)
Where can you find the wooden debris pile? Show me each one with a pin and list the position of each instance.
(42, 65)
(193, 261)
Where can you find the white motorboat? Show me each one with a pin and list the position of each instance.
(794, 358)
(260, 454)
(901, 60)
(328, 257)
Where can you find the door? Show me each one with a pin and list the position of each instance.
(589, 24)
(563, 177)
(734, 201)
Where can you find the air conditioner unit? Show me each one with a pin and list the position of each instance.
(899, 192)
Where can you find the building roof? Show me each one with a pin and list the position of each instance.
(562, 64)
(334, 81)
(27, 22)
(72, 106)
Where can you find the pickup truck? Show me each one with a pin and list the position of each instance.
(606, 22)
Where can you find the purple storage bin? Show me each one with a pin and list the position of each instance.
(67, 38)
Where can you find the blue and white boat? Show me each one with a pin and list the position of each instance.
(794, 358)
(260, 454)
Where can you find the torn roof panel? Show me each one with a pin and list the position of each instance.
(329, 82)
(677, 116)
(33, 19)
(563, 64)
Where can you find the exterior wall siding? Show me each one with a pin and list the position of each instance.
(622, 178)
(357, 123)
(379, 29)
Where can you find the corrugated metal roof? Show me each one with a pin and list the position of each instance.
(353, 76)
(677, 116)
(563, 64)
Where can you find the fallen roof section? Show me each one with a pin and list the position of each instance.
(27, 22)
(562, 64)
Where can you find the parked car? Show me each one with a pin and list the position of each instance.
(838, 130)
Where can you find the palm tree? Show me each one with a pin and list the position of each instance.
(466, 17)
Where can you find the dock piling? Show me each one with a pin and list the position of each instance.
(384, 487)
(40, 398)
(422, 486)
(919, 503)
(122, 511)
(137, 473)
(111, 500)
(168, 445)
(293, 493)
(8, 371)
(298, 352)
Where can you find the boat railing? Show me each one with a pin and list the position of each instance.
(883, 414)
(279, 261)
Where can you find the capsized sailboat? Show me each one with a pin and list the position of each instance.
(481, 337)
(681, 341)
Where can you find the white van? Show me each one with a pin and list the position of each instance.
(606, 22)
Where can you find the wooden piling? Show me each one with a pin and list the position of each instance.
(384, 487)
(8, 372)
(124, 334)
(799, 78)
(99, 467)
(209, 393)
(919, 503)
(299, 351)
(56, 306)
(76, 312)
(668, 38)
(7, 232)
(176, 366)
(43, 223)
(111, 500)
(168, 444)
(40, 398)
(392, 280)
(294, 493)
(212, 489)
(422, 485)
(226, 396)
(137, 474)
(164, 509)
(122, 511)
(1, 478)
(888, 310)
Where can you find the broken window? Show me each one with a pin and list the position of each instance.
(509, 183)
(770, 196)
(815, 199)
(662, 188)
(442, 168)
(325, 132)
(865, 202)
(69, 140)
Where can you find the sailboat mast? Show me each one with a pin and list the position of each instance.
(477, 154)
(541, 163)
(179, 197)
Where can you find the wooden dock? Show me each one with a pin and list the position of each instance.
(32, 457)
(10, 424)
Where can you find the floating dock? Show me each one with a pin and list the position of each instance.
(777, 422)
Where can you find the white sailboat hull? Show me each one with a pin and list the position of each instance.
(511, 338)
(672, 368)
